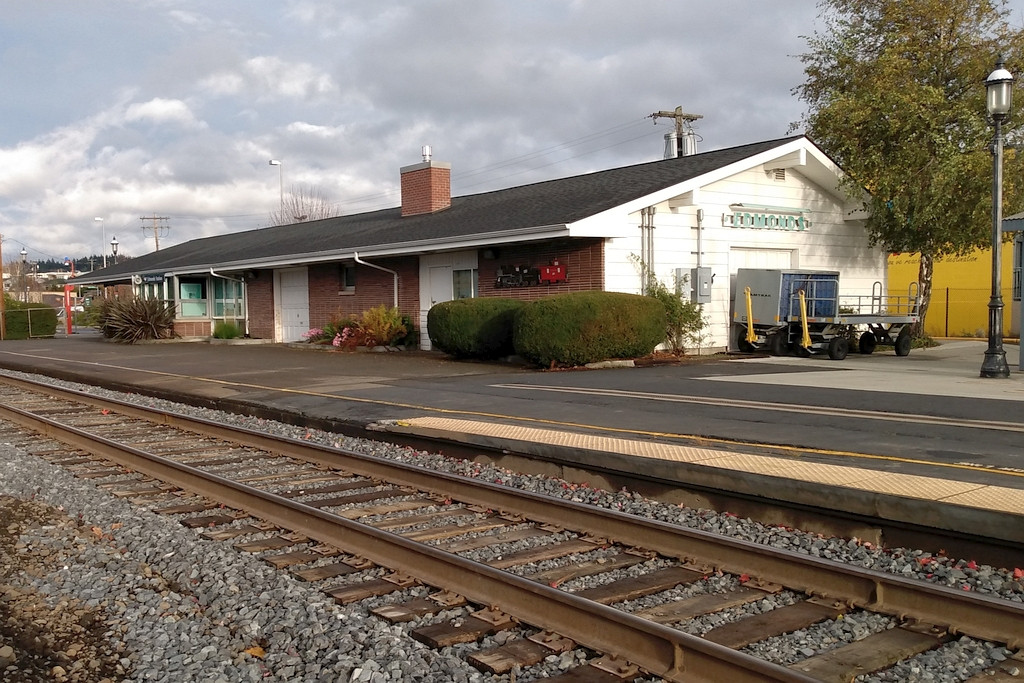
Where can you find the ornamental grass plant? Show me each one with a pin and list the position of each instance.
(130, 321)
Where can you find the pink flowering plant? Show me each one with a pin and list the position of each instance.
(380, 326)
(314, 335)
(349, 337)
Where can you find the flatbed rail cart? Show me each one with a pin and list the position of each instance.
(801, 311)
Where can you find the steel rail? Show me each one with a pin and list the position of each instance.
(660, 650)
(965, 613)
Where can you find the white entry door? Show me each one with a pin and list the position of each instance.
(437, 283)
(440, 284)
(293, 310)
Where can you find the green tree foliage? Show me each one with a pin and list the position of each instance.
(896, 95)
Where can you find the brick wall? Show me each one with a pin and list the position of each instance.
(261, 304)
(582, 258)
(193, 328)
(373, 288)
(426, 188)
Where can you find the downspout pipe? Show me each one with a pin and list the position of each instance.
(246, 294)
(355, 256)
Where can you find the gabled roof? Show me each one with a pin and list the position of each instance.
(1014, 223)
(536, 211)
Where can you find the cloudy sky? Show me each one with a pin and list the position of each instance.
(120, 109)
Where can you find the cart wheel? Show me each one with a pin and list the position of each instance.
(838, 347)
(741, 340)
(867, 343)
(903, 342)
(778, 344)
(801, 351)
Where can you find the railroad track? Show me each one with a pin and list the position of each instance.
(513, 560)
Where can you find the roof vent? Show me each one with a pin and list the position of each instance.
(426, 152)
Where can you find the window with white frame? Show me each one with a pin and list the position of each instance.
(192, 297)
(464, 283)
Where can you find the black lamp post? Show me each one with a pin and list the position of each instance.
(24, 270)
(113, 247)
(999, 87)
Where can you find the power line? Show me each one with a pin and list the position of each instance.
(158, 228)
(525, 157)
(460, 176)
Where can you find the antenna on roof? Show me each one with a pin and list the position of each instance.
(426, 152)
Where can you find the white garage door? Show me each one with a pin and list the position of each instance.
(293, 288)
(781, 259)
(759, 258)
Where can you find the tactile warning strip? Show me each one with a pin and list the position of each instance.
(982, 496)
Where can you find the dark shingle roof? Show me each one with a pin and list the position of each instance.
(549, 203)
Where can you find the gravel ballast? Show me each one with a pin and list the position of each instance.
(146, 599)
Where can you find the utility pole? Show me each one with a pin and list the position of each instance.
(158, 227)
(682, 119)
(3, 314)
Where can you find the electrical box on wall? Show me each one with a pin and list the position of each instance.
(700, 285)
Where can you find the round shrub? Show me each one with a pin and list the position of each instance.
(473, 328)
(585, 327)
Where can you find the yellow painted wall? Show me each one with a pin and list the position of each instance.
(961, 288)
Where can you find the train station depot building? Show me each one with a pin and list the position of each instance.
(771, 204)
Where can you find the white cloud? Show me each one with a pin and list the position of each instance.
(313, 130)
(160, 110)
(265, 78)
(346, 92)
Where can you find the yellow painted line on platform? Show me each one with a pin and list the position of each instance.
(915, 418)
(797, 452)
(966, 494)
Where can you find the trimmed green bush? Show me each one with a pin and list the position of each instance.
(474, 328)
(29, 320)
(586, 327)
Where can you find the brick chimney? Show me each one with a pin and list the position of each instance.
(426, 186)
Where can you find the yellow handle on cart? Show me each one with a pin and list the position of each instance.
(751, 335)
(805, 341)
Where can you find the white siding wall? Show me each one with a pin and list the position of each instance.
(830, 243)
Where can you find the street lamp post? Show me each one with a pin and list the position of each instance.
(103, 233)
(113, 247)
(24, 270)
(280, 182)
(999, 89)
